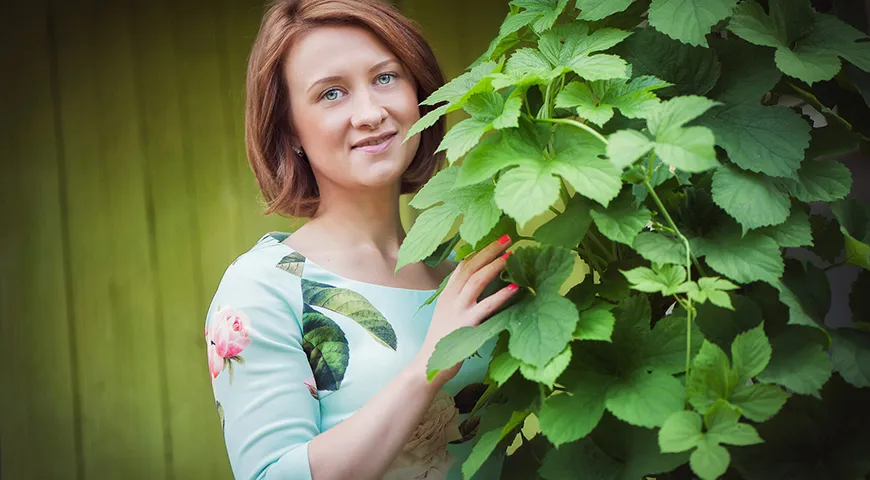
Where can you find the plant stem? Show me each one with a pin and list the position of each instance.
(601, 246)
(688, 306)
(652, 159)
(577, 124)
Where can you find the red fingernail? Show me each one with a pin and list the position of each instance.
(504, 239)
(506, 255)
(513, 287)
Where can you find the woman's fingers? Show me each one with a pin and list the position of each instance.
(469, 266)
(490, 304)
(481, 278)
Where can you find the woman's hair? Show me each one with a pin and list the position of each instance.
(285, 178)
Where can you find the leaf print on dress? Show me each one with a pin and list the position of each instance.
(326, 347)
(226, 337)
(352, 305)
(293, 263)
(279, 236)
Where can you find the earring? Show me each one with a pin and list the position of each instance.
(298, 151)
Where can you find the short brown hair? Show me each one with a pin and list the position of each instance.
(286, 179)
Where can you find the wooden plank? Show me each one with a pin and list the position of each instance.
(38, 402)
(207, 154)
(191, 418)
(112, 278)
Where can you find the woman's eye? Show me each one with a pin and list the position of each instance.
(386, 78)
(331, 94)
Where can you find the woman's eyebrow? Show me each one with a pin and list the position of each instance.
(335, 78)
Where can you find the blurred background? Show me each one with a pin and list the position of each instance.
(125, 194)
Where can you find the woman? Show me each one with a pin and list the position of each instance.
(317, 349)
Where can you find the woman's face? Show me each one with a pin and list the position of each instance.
(346, 86)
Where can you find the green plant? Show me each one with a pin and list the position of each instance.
(677, 149)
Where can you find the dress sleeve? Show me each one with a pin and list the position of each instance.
(261, 376)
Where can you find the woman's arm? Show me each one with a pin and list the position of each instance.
(366, 444)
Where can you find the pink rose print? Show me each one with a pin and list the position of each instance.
(312, 387)
(425, 456)
(226, 336)
(230, 332)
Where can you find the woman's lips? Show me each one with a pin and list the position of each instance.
(379, 148)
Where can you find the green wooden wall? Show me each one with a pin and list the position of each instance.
(125, 193)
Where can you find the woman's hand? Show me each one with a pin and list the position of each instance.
(457, 305)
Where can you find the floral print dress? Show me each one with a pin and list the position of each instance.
(294, 349)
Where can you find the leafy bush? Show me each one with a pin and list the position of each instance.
(684, 151)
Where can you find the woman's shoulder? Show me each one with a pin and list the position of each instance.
(267, 261)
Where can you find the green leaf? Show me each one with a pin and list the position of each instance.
(488, 111)
(589, 174)
(712, 379)
(680, 432)
(598, 9)
(688, 21)
(326, 348)
(851, 355)
(546, 12)
(721, 326)
(572, 46)
(710, 288)
(750, 353)
(689, 149)
(660, 248)
(621, 221)
(645, 399)
(426, 121)
(479, 211)
(541, 327)
(758, 402)
(595, 101)
(462, 138)
(458, 90)
(502, 367)
(571, 415)
(626, 146)
(595, 324)
(819, 180)
(745, 259)
(677, 112)
(749, 72)
(531, 188)
(435, 190)
(666, 279)
(569, 227)
(487, 443)
(710, 460)
(806, 291)
(463, 342)
(723, 427)
(794, 232)
(854, 218)
(692, 70)
(615, 450)
(352, 305)
(426, 234)
(753, 200)
(800, 360)
(543, 268)
(769, 140)
(547, 374)
(807, 44)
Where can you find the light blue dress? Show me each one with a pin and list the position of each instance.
(294, 349)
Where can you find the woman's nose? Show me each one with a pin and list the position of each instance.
(368, 112)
